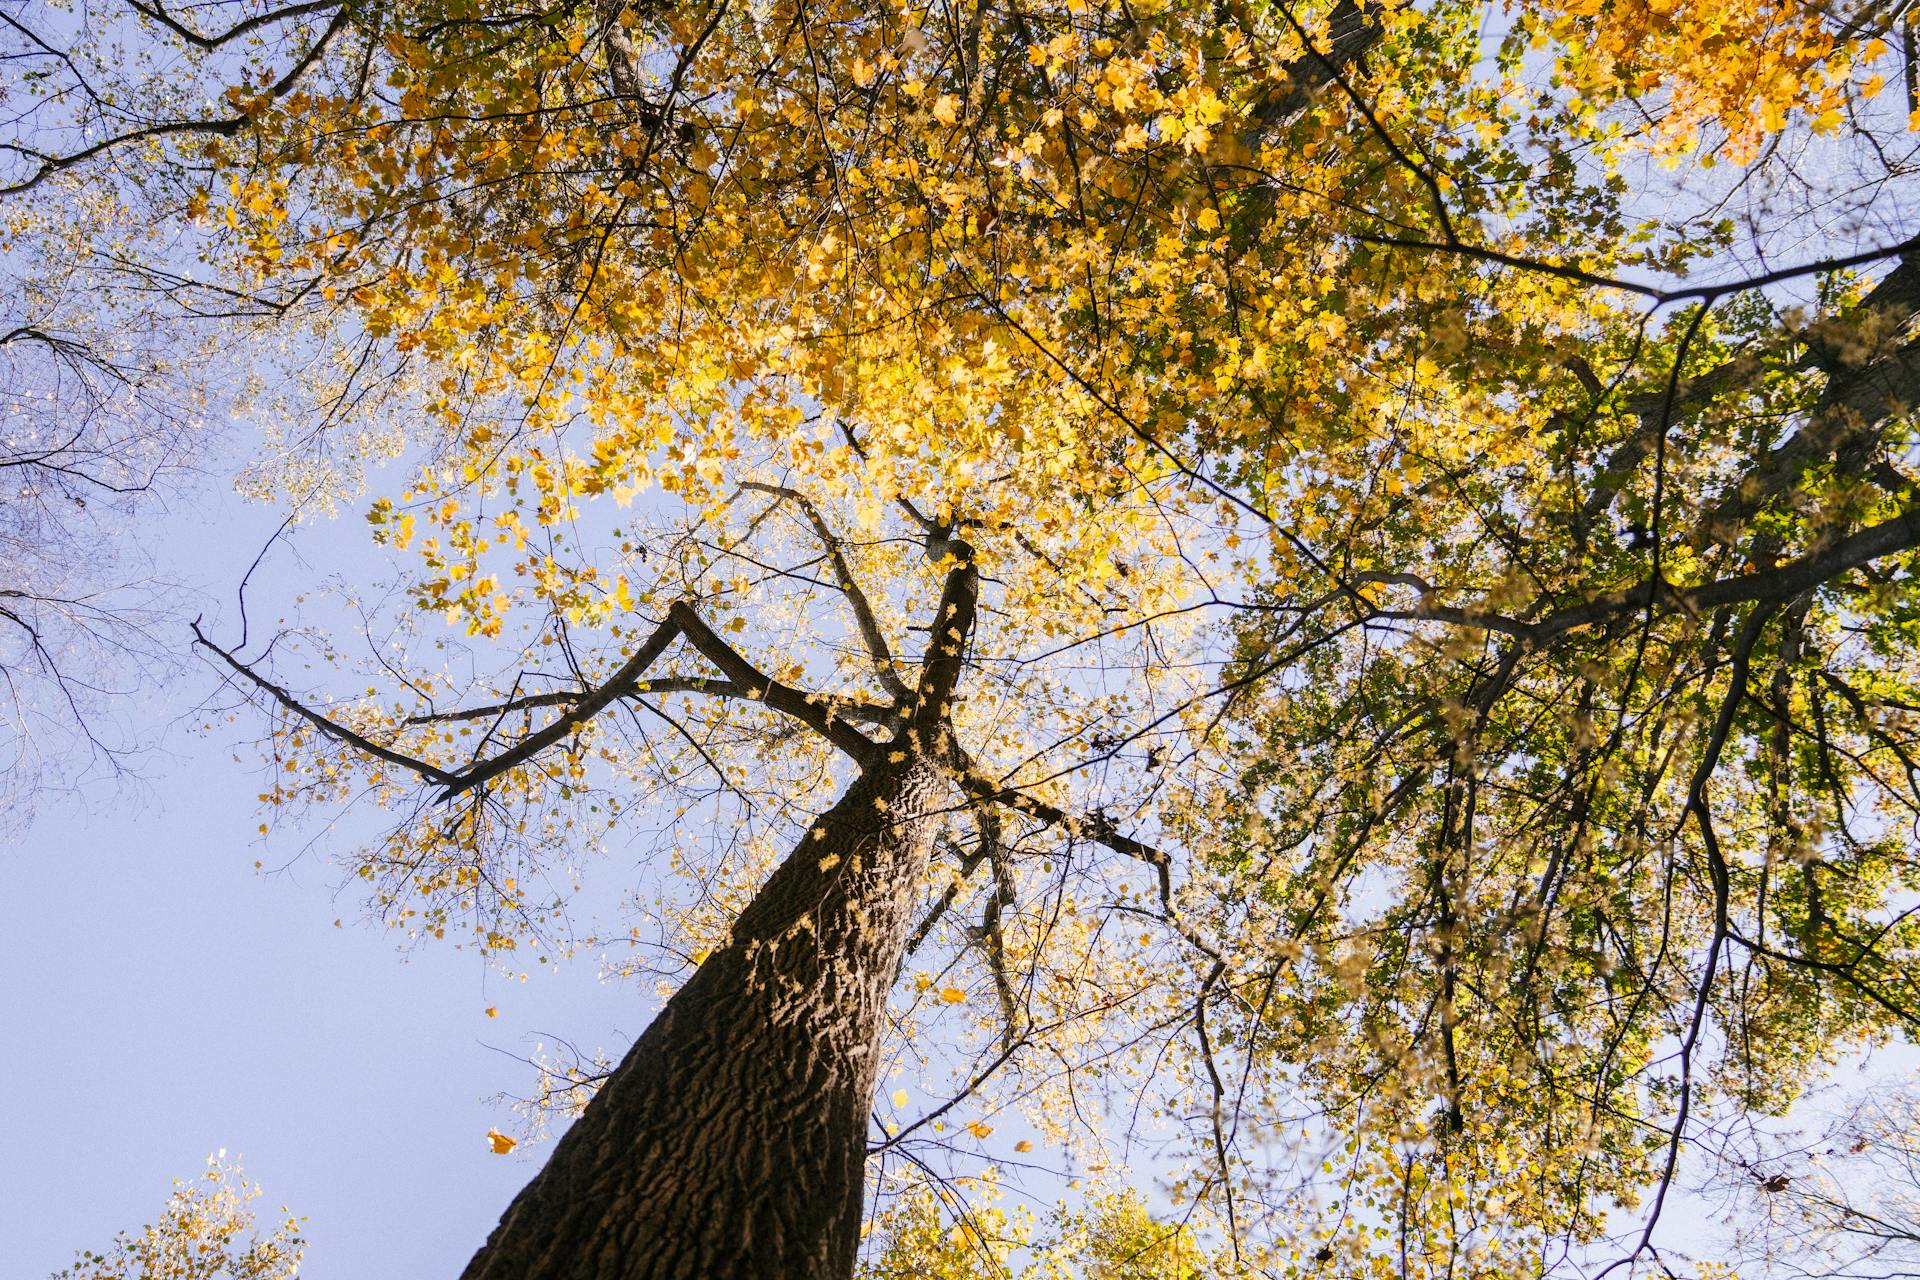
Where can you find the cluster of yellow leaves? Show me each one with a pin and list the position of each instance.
(205, 1233)
(1741, 69)
(878, 267)
(958, 1231)
(875, 265)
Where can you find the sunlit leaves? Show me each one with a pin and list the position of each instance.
(1292, 318)
(206, 1232)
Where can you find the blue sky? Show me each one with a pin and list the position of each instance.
(165, 1000)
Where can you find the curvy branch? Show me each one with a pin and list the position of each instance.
(158, 12)
(224, 127)
(330, 727)
(870, 633)
(817, 713)
(1657, 296)
(875, 713)
(1862, 547)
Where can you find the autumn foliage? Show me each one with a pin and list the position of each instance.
(1439, 734)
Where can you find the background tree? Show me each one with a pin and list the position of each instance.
(76, 634)
(206, 1233)
(115, 394)
(1836, 1199)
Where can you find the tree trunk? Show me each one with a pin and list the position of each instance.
(731, 1142)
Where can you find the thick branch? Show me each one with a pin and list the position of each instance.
(1890, 537)
(1351, 31)
(224, 127)
(589, 706)
(952, 627)
(809, 709)
(1655, 416)
(1863, 391)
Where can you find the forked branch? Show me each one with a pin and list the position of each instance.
(747, 680)
(875, 640)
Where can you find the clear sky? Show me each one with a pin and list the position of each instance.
(163, 1000)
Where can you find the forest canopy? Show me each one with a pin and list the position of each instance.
(1308, 605)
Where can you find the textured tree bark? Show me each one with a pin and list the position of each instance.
(731, 1141)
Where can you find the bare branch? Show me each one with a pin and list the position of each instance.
(159, 14)
(225, 127)
(875, 713)
(681, 621)
(330, 727)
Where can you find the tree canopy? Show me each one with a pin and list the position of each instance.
(1394, 522)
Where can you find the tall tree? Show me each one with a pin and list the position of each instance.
(1536, 805)
(733, 1138)
(116, 385)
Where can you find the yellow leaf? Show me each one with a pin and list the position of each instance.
(979, 1130)
(502, 1144)
(952, 995)
(899, 1097)
(947, 109)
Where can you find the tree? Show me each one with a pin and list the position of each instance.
(115, 390)
(1833, 1197)
(733, 1138)
(1638, 851)
(93, 421)
(206, 1233)
(1533, 809)
(1115, 1237)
